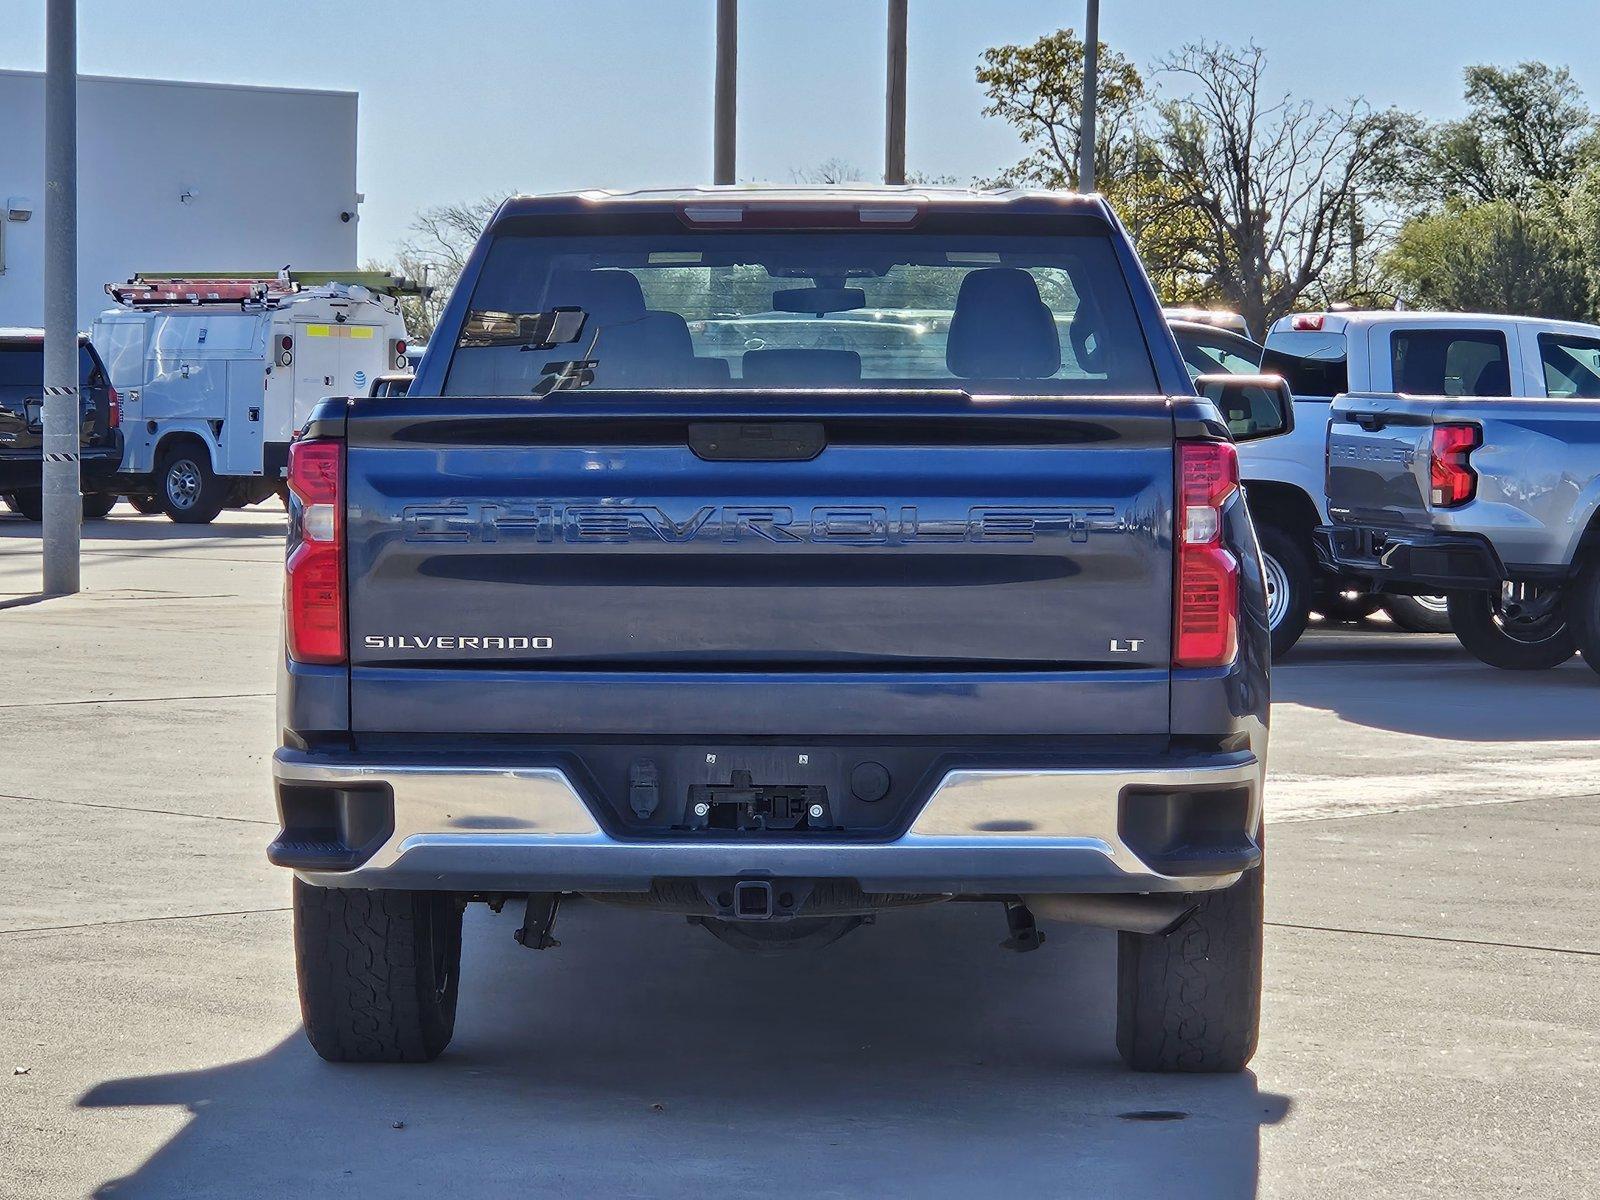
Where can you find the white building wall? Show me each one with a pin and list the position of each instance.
(268, 172)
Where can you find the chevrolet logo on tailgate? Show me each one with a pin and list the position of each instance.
(549, 522)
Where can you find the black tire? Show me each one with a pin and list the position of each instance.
(1583, 612)
(148, 505)
(379, 972)
(1347, 607)
(188, 491)
(1288, 572)
(1496, 631)
(97, 507)
(1419, 614)
(1190, 1000)
(28, 503)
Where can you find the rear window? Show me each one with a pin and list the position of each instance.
(1314, 364)
(1450, 362)
(23, 366)
(688, 309)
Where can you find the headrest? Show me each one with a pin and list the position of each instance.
(802, 368)
(609, 296)
(1000, 329)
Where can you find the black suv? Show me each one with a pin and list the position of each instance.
(22, 426)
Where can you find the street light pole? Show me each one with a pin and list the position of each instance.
(1091, 84)
(63, 505)
(894, 107)
(726, 101)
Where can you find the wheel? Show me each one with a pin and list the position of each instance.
(98, 506)
(190, 493)
(145, 504)
(1419, 614)
(28, 504)
(8, 501)
(1518, 628)
(1288, 577)
(379, 972)
(1348, 606)
(1190, 1000)
(1583, 609)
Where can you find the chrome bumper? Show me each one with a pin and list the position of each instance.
(980, 831)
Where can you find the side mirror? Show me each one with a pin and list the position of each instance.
(394, 384)
(1254, 406)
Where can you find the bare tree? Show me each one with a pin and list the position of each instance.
(1276, 184)
(434, 252)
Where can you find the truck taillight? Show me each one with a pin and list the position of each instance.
(1451, 479)
(1205, 630)
(397, 353)
(114, 407)
(315, 566)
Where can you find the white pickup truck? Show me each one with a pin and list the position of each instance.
(1323, 355)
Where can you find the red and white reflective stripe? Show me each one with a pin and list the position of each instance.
(1205, 627)
(315, 568)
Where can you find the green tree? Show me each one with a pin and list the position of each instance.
(1493, 257)
(1528, 137)
(1038, 90)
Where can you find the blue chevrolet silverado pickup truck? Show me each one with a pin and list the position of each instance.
(777, 558)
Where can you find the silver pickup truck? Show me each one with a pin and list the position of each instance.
(1494, 501)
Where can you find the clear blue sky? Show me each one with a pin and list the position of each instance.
(461, 99)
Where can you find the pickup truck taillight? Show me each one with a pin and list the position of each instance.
(315, 566)
(114, 407)
(1451, 480)
(1205, 630)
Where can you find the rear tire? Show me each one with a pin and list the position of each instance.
(1348, 607)
(379, 972)
(188, 491)
(1583, 611)
(1288, 577)
(28, 504)
(1419, 614)
(1495, 631)
(98, 507)
(1190, 1000)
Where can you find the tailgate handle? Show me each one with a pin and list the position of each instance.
(758, 441)
(1370, 421)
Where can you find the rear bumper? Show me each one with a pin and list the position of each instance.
(355, 823)
(1408, 560)
(97, 469)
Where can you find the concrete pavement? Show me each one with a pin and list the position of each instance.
(1431, 1019)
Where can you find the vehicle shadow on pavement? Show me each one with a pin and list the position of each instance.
(154, 529)
(643, 1058)
(1460, 698)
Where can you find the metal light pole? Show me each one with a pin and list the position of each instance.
(894, 106)
(1091, 84)
(726, 102)
(63, 505)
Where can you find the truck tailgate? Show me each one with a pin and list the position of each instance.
(1378, 459)
(589, 537)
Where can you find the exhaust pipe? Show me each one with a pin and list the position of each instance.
(1150, 914)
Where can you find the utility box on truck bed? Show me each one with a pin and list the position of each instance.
(218, 372)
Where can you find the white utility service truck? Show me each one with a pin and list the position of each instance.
(217, 372)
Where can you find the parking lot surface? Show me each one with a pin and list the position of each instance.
(1429, 1025)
